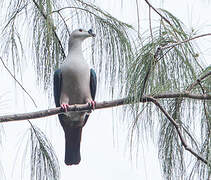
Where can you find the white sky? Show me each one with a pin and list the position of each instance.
(100, 159)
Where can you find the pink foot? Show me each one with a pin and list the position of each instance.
(92, 104)
(65, 107)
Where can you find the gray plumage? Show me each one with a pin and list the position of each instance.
(74, 83)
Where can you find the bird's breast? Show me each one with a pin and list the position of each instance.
(76, 79)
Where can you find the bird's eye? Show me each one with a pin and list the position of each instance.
(80, 30)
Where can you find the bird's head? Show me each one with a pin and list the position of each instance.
(81, 34)
(77, 37)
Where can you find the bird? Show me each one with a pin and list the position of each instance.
(74, 83)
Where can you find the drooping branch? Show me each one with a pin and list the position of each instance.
(18, 82)
(53, 29)
(176, 125)
(100, 105)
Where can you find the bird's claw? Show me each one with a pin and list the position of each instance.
(65, 107)
(92, 104)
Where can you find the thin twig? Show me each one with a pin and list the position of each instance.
(163, 53)
(79, 8)
(169, 47)
(18, 82)
(86, 10)
(198, 81)
(98, 10)
(204, 104)
(138, 16)
(14, 16)
(150, 23)
(163, 17)
(185, 41)
(64, 23)
(99, 105)
(176, 125)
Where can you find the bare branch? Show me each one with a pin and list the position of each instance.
(185, 41)
(64, 22)
(138, 16)
(158, 12)
(184, 143)
(198, 81)
(204, 103)
(79, 8)
(150, 23)
(182, 94)
(100, 105)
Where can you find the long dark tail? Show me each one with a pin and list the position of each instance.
(72, 145)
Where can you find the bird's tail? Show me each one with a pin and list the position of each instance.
(72, 145)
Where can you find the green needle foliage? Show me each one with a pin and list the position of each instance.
(158, 69)
(37, 31)
(44, 163)
(46, 23)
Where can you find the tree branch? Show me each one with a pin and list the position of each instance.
(150, 24)
(158, 12)
(138, 16)
(100, 105)
(176, 125)
(198, 81)
(185, 41)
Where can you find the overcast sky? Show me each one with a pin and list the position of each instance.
(104, 153)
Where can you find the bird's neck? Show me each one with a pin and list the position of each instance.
(75, 46)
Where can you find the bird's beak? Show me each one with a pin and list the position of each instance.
(91, 33)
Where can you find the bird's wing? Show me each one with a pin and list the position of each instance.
(72, 134)
(57, 86)
(93, 83)
(93, 88)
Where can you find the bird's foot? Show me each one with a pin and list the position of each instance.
(65, 107)
(92, 104)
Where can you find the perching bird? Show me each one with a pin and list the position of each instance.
(74, 83)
